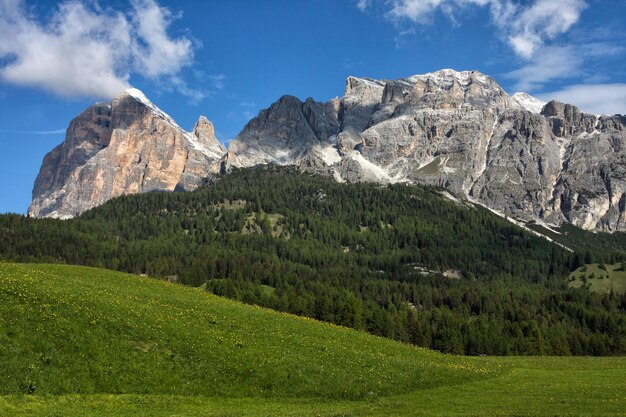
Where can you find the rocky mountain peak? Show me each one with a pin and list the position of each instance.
(356, 86)
(204, 130)
(126, 146)
(447, 76)
(555, 108)
(545, 162)
(284, 132)
(448, 89)
(207, 142)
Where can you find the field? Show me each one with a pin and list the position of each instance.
(86, 341)
(604, 280)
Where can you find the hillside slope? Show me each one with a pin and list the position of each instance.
(94, 342)
(400, 261)
(71, 330)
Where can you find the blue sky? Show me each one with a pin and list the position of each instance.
(227, 59)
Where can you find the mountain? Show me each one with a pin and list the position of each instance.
(123, 147)
(459, 130)
(547, 163)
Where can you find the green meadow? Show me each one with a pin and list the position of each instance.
(92, 342)
(602, 278)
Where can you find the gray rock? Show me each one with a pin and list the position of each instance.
(460, 130)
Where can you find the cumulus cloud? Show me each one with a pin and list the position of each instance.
(524, 27)
(594, 98)
(85, 50)
(543, 20)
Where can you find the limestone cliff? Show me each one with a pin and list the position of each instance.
(459, 130)
(519, 156)
(123, 147)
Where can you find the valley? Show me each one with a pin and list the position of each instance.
(357, 208)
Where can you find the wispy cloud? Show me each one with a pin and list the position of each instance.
(594, 98)
(524, 27)
(350, 64)
(86, 50)
(33, 132)
(551, 63)
(363, 4)
(218, 81)
(548, 64)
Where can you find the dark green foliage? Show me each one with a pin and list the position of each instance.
(359, 255)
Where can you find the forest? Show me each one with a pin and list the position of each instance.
(400, 261)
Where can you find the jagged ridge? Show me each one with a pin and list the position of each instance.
(460, 130)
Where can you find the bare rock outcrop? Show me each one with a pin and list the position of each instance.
(459, 130)
(547, 162)
(123, 147)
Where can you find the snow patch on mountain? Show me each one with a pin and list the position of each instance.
(191, 138)
(528, 102)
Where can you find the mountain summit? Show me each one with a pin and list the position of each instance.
(535, 161)
(126, 146)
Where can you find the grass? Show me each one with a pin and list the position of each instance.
(611, 278)
(87, 341)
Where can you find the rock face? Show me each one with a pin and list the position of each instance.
(285, 132)
(127, 146)
(460, 130)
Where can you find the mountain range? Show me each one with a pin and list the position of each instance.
(532, 161)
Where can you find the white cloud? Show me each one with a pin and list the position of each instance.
(84, 50)
(524, 27)
(595, 98)
(218, 81)
(157, 53)
(549, 63)
(418, 11)
(33, 132)
(544, 20)
(363, 4)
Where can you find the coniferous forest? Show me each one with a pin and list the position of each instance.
(399, 261)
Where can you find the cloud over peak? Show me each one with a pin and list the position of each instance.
(525, 27)
(86, 50)
(593, 98)
(544, 20)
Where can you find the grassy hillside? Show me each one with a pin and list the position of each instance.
(600, 278)
(84, 330)
(86, 341)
